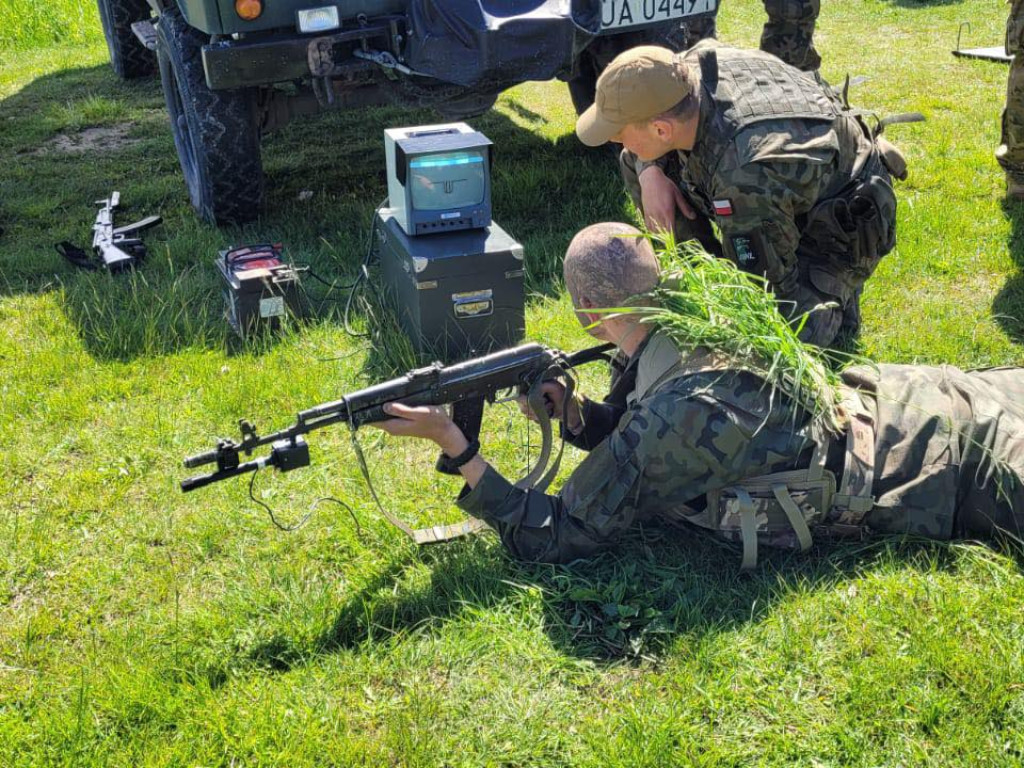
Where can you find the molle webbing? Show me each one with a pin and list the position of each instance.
(748, 88)
(754, 89)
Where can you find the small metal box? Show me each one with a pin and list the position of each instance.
(260, 288)
(458, 294)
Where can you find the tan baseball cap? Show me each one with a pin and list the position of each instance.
(639, 84)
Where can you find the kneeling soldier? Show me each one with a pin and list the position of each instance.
(798, 186)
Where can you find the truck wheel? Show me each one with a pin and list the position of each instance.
(583, 85)
(128, 56)
(215, 132)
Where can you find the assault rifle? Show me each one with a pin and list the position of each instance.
(113, 244)
(465, 386)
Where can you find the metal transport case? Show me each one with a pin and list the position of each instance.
(458, 294)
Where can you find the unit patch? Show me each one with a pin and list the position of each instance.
(745, 255)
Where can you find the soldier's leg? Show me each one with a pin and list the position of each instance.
(789, 32)
(824, 315)
(698, 29)
(698, 229)
(1010, 153)
(992, 453)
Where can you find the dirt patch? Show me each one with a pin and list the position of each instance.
(89, 140)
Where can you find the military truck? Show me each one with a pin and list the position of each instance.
(232, 70)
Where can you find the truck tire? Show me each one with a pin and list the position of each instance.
(215, 132)
(128, 57)
(583, 84)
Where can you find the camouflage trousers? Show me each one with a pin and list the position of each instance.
(1010, 153)
(949, 449)
(789, 32)
(827, 318)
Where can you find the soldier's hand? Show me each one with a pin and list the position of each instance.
(430, 422)
(661, 198)
(554, 400)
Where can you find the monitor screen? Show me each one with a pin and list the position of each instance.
(448, 180)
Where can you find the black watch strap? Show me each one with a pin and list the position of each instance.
(450, 464)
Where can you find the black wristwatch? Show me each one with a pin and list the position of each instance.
(450, 464)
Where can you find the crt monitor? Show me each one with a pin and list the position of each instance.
(439, 178)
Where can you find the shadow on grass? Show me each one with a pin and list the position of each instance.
(325, 176)
(1008, 306)
(923, 4)
(627, 603)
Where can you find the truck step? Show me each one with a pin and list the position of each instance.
(146, 33)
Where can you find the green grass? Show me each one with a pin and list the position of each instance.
(139, 626)
(25, 23)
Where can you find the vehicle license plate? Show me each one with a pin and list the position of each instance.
(618, 14)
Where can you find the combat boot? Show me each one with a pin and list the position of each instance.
(1014, 188)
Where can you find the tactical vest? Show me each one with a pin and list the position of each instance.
(782, 509)
(852, 226)
(748, 87)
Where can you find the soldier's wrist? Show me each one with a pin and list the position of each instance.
(650, 172)
(572, 415)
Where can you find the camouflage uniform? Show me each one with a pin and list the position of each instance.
(1011, 150)
(947, 456)
(797, 186)
(789, 32)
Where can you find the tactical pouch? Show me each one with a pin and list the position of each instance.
(892, 158)
(776, 510)
(855, 229)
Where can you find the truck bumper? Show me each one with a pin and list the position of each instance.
(266, 60)
(239, 64)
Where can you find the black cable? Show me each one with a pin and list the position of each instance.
(363, 274)
(351, 512)
(309, 514)
(287, 528)
(332, 286)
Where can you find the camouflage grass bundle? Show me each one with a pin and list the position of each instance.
(705, 301)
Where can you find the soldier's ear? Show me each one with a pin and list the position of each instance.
(662, 128)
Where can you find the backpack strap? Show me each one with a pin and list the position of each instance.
(854, 500)
(748, 529)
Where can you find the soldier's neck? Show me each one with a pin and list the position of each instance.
(630, 337)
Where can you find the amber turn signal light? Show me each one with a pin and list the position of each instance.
(248, 9)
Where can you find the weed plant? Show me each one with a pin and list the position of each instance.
(708, 302)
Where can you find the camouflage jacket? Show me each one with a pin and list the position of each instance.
(773, 143)
(945, 440)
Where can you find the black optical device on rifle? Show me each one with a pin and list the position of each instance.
(465, 386)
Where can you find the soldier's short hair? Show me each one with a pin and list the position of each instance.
(683, 110)
(610, 263)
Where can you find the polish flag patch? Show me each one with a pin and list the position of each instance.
(723, 207)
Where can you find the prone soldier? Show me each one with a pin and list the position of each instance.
(692, 436)
(798, 185)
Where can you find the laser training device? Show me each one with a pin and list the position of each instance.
(459, 294)
(260, 288)
(439, 178)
